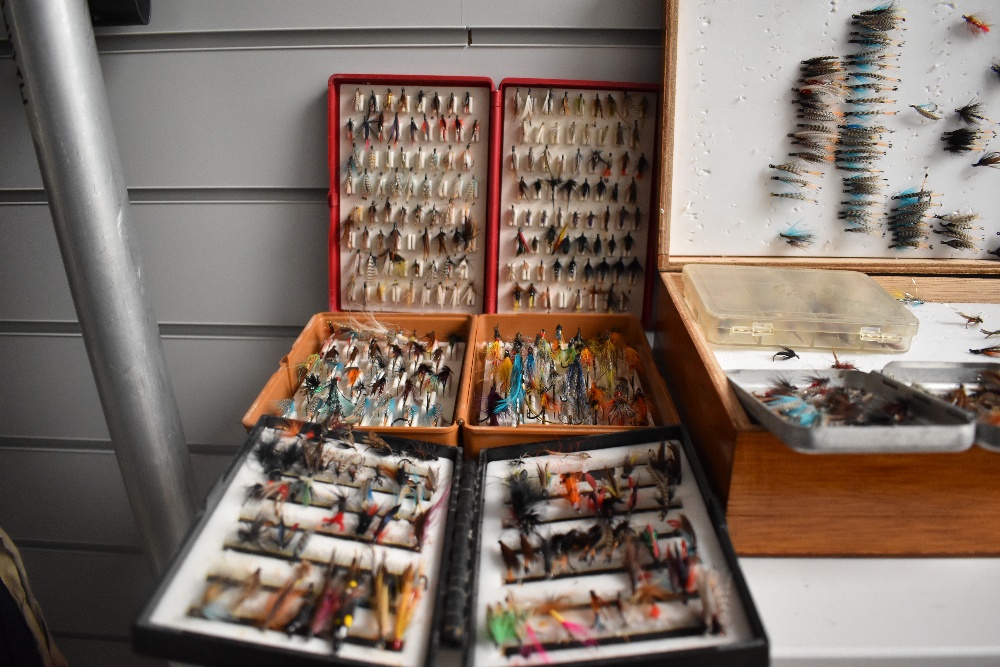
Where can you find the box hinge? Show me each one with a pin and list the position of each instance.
(874, 335)
(758, 329)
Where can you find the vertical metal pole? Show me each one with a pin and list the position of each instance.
(67, 109)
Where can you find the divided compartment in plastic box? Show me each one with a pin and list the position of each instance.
(940, 378)
(587, 154)
(249, 568)
(591, 591)
(935, 426)
(755, 305)
(476, 435)
(286, 380)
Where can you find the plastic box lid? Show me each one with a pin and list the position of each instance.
(754, 305)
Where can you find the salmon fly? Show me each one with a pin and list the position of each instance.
(631, 192)
(784, 354)
(970, 320)
(929, 110)
(618, 268)
(972, 113)
(976, 24)
(991, 159)
(870, 112)
(827, 115)
(914, 193)
(794, 168)
(863, 185)
(472, 190)
(862, 131)
(880, 19)
(842, 365)
(814, 158)
(873, 75)
(961, 243)
(797, 182)
(875, 41)
(794, 195)
(965, 139)
(864, 101)
(597, 108)
(548, 102)
(797, 238)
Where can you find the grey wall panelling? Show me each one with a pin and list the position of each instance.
(90, 509)
(238, 272)
(220, 112)
(48, 391)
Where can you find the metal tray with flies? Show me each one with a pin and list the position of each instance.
(939, 377)
(934, 426)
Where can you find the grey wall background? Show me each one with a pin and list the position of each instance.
(219, 109)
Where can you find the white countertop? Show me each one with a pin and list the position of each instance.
(878, 611)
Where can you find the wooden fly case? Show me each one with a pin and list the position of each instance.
(410, 174)
(379, 374)
(781, 502)
(315, 548)
(725, 132)
(619, 393)
(605, 550)
(819, 154)
(577, 181)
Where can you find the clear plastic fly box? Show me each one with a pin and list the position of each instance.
(756, 305)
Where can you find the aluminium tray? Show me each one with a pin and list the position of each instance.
(944, 376)
(939, 427)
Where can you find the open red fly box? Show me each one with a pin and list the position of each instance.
(450, 195)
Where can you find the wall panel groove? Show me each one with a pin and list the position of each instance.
(88, 510)
(191, 331)
(142, 196)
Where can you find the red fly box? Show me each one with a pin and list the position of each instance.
(448, 195)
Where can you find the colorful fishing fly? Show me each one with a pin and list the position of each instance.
(627, 517)
(442, 176)
(526, 380)
(928, 110)
(297, 560)
(976, 24)
(797, 238)
(570, 174)
(990, 159)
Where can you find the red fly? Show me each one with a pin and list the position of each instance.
(842, 365)
(976, 24)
